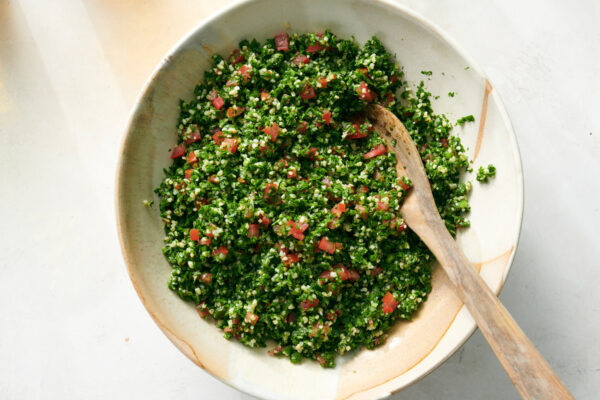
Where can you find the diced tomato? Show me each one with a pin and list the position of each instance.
(282, 42)
(216, 100)
(253, 230)
(194, 135)
(244, 71)
(389, 98)
(327, 117)
(218, 138)
(308, 93)
(326, 245)
(221, 250)
(308, 304)
(376, 271)
(382, 205)
(188, 173)
(210, 232)
(361, 210)
(394, 78)
(313, 48)
(230, 82)
(178, 151)
(234, 111)
(281, 248)
(338, 209)
(403, 185)
(264, 96)
(300, 59)
(347, 274)
(292, 174)
(202, 309)
(364, 189)
(230, 145)
(377, 151)
(312, 153)
(291, 318)
(265, 221)
(389, 303)
(213, 179)
(273, 131)
(364, 93)
(334, 224)
(321, 360)
(237, 57)
(194, 234)
(302, 127)
(268, 188)
(206, 277)
(444, 142)
(377, 176)
(316, 328)
(290, 258)
(327, 275)
(191, 157)
(297, 230)
(323, 82)
(251, 318)
(205, 241)
(358, 134)
(364, 71)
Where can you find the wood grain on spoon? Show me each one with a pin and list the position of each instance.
(528, 370)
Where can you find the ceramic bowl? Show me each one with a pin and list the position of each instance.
(442, 324)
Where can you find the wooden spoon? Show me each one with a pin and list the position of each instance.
(529, 372)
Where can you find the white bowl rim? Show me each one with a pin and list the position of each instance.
(434, 29)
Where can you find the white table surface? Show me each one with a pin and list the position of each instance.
(71, 325)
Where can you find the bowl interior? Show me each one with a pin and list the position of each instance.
(442, 325)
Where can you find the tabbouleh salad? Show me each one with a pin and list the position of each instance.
(282, 205)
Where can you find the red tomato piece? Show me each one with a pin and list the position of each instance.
(205, 241)
(188, 173)
(308, 304)
(377, 151)
(282, 42)
(253, 230)
(313, 48)
(206, 277)
(265, 221)
(323, 82)
(290, 258)
(268, 189)
(326, 245)
(230, 144)
(264, 96)
(364, 93)
(237, 57)
(302, 127)
(358, 134)
(361, 210)
(273, 131)
(334, 224)
(382, 205)
(194, 234)
(403, 185)
(364, 189)
(191, 157)
(376, 271)
(321, 360)
(244, 71)
(234, 111)
(194, 135)
(218, 103)
(338, 209)
(389, 303)
(202, 309)
(389, 98)
(300, 59)
(292, 174)
(213, 179)
(221, 250)
(251, 318)
(444, 142)
(327, 117)
(218, 138)
(178, 151)
(312, 153)
(308, 93)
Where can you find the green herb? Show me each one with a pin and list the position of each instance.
(451, 94)
(484, 173)
(468, 118)
(428, 73)
(282, 208)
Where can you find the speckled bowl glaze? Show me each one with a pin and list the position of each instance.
(442, 324)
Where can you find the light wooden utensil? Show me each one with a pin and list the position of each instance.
(528, 370)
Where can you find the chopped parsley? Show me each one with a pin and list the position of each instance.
(484, 173)
(428, 73)
(468, 118)
(282, 206)
(451, 94)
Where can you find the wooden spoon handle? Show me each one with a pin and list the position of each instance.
(528, 370)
